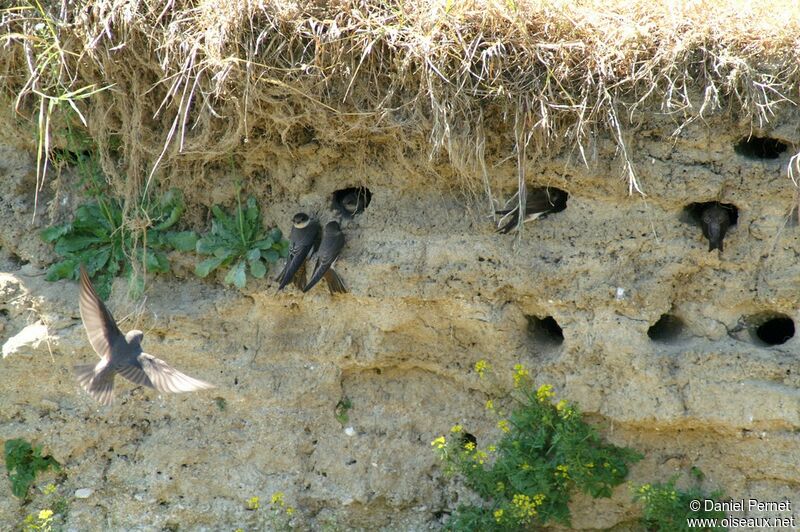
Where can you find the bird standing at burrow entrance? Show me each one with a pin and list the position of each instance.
(329, 249)
(715, 221)
(303, 239)
(539, 202)
(122, 354)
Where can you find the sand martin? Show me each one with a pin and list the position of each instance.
(351, 201)
(329, 249)
(303, 238)
(121, 354)
(715, 221)
(540, 201)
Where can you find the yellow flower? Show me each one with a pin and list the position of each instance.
(525, 507)
(456, 428)
(44, 515)
(503, 425)
(544, 393)
(480, 367)
(561, 405)
(439, 442)
(469, 446)
(50, 488)
(525, 467)
(252, 503)
(498, 515)
(289, 511)
(562, 471)
(277, 498)
(500, 486)
(489, 405)
(491, 448)
(520, 373)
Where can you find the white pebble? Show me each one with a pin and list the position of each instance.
(350, 431)
(83, 493)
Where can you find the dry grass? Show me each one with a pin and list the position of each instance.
(192, 84)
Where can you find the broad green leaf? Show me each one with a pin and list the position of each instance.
(224, 252)
(258, 269)
(207, 244)
(236, 275)
(97, 260)
(270, 255)
(276, 234)
(183, 240)
(284, 249)
(52, 233)
(202, 269)
(263, 244)
(71, 243)
(102, 284)
(253, 254)
(61, 270)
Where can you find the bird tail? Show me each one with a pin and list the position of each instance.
(335, 283)
(715, 244)
(99, 383)
(299, 279)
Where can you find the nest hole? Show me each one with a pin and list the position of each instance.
(545, 331)
(775, 329)
(760, 148)
(351, 201)
(693, 212)
(667, 329)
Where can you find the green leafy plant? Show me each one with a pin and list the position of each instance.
(43, 522)
(546, 453)
(666, 508)
(23, 462)
(240, 241)
(342, 407)
(99, 238)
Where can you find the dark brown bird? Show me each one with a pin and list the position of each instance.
(539, 202)
(329, 249)
(303, 239)
(715, 222)
(122, 354)
(353, 202)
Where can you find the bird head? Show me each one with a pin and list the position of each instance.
(333, 227)
(350, 202)
(300, 220)
(134, 336)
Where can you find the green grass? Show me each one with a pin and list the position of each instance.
(667, 508)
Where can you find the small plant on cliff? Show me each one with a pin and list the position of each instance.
(667, 508)
(546, 453)
(43, 522)
(241, 241)
(99, 238)
(23, 462)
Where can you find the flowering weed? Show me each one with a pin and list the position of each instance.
(546, 452)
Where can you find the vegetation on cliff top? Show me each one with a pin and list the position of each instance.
(183, 88)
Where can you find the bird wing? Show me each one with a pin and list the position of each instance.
(327, 255)
(293, 265)
(97, 380)
(100, 326)
(136, 375)
(167, 379)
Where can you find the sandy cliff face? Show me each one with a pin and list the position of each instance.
(432, 290)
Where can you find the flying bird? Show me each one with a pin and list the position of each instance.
(539, 202)
(303, 238)
(329, 249)
(352, 202)
(715, 221)
(121, 354)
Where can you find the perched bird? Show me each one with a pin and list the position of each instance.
(539, 202)
(122, 354)
(329, 249)
(715, 221)
(303, 238)
(351, 201)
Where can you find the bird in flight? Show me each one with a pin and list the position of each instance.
(122, 354)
